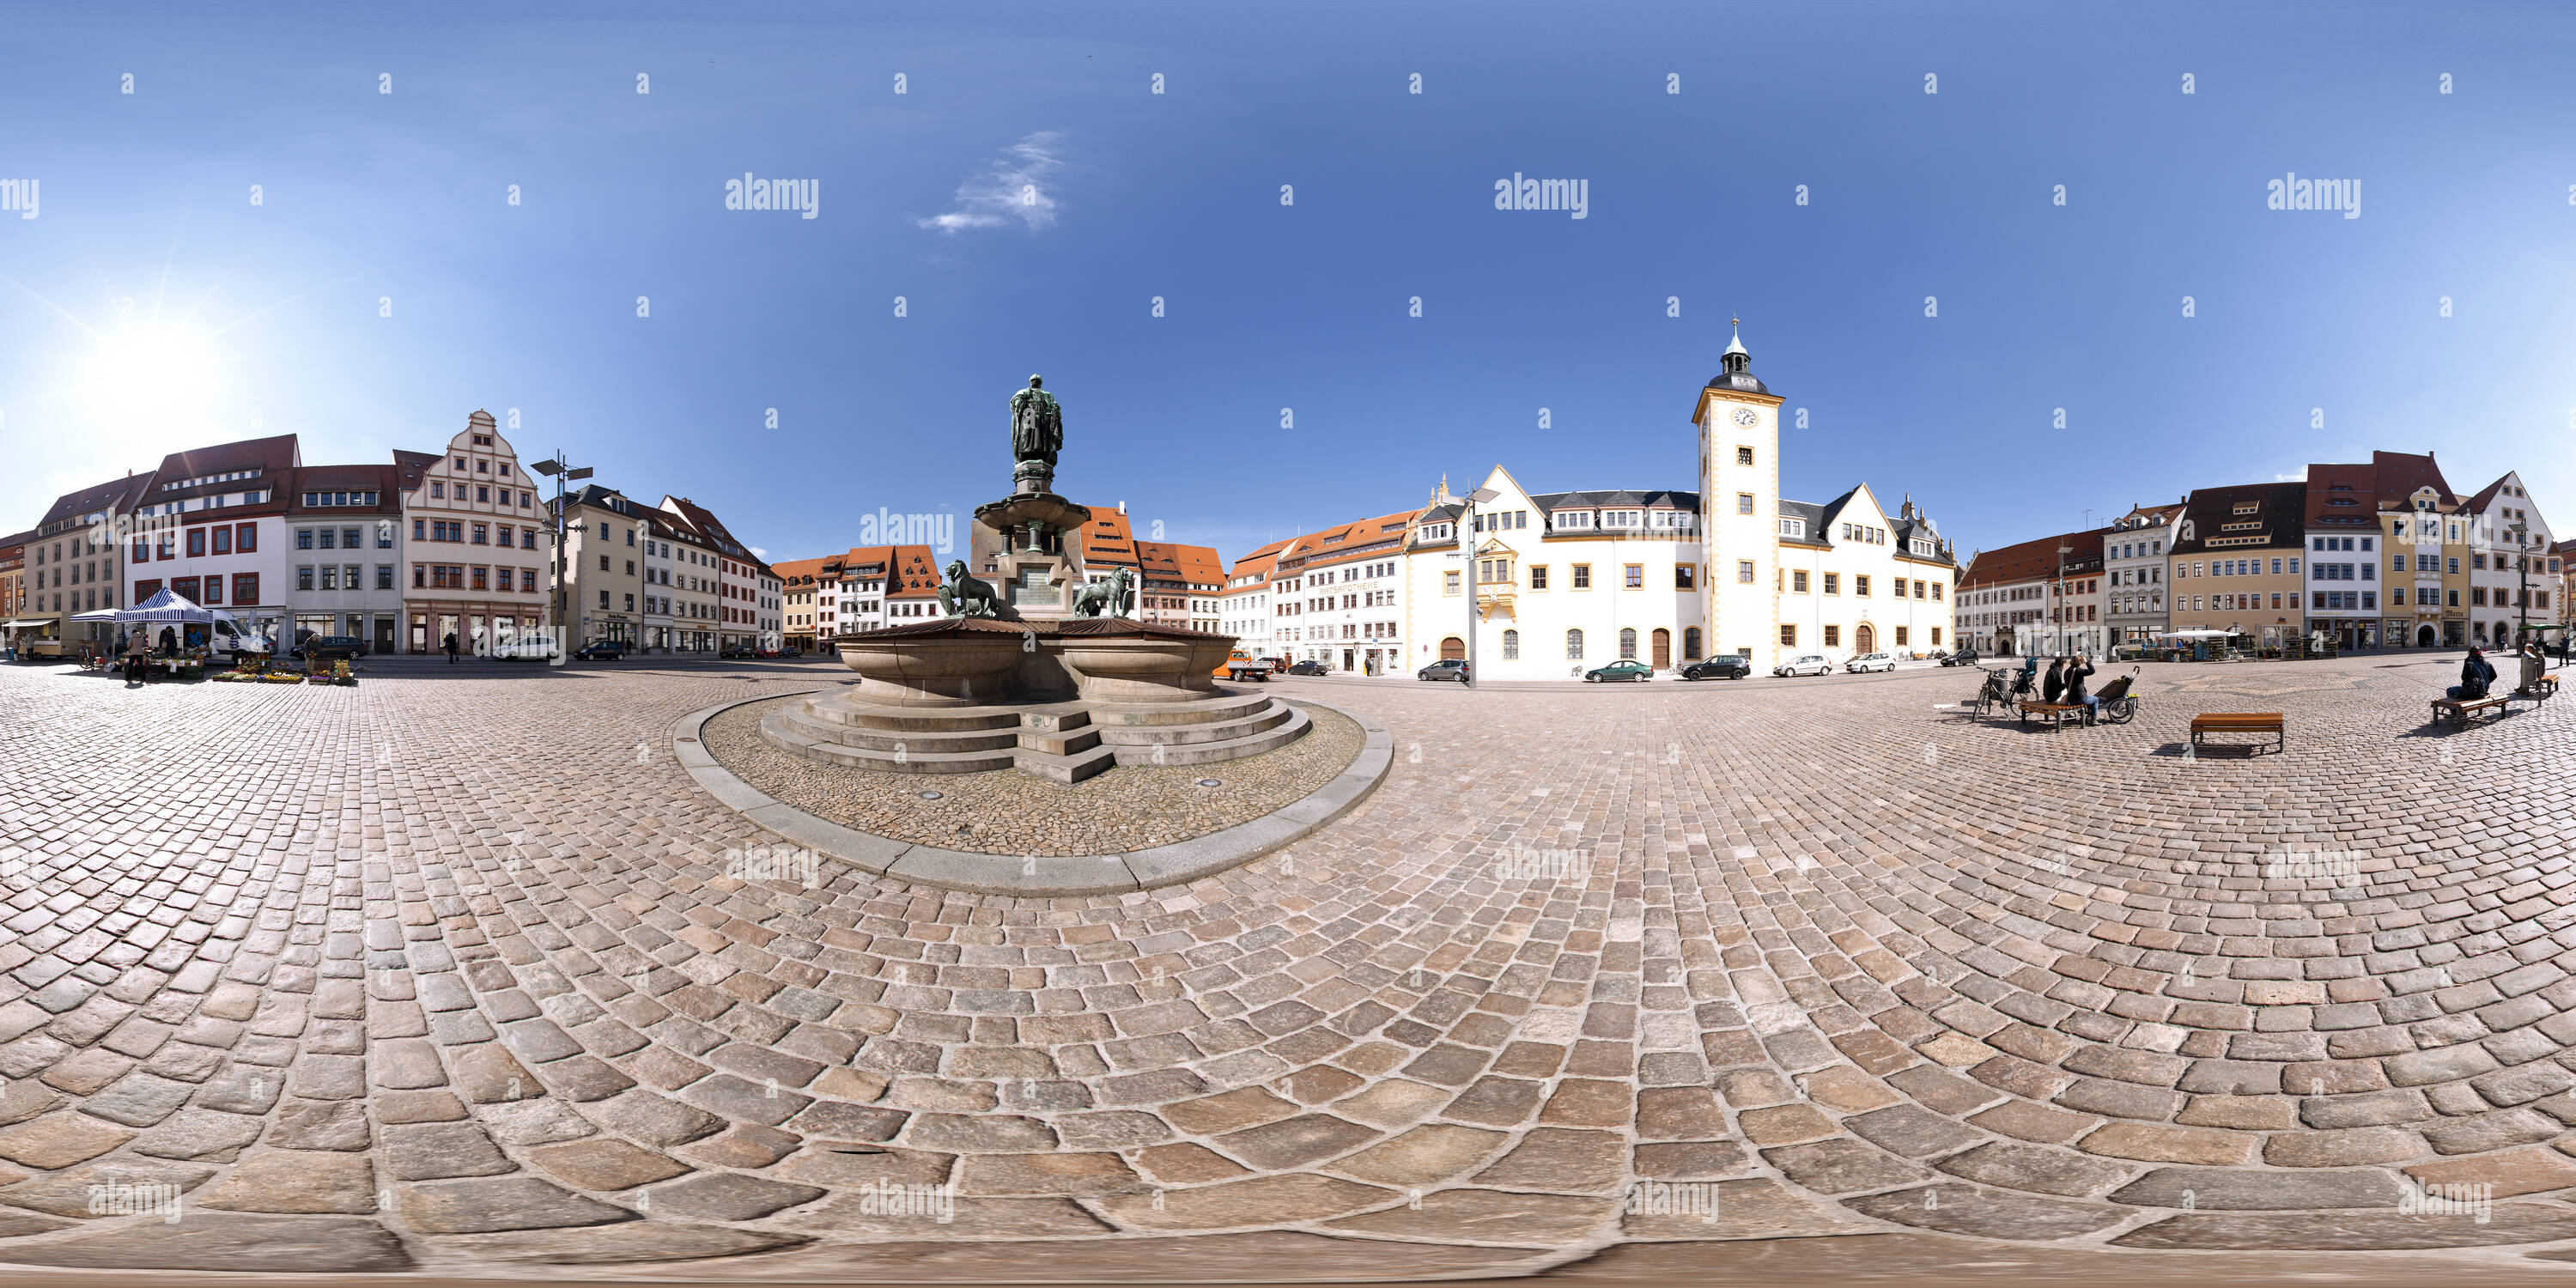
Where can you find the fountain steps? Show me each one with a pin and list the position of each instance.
(1063, 742)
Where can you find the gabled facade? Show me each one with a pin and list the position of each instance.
(2424, 532)
(2509, 582)
(1562, 582)
(458, 506)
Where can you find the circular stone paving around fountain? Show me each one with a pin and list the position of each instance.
(1135, 827)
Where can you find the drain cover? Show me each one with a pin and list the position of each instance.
(930, 796)
(1210, 782)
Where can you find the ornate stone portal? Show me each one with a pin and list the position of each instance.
(1031, 668)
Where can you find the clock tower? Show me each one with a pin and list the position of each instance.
(1739, 490)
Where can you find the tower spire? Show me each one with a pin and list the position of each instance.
(1736, 359)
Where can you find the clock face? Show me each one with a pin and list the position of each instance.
(1744, 416)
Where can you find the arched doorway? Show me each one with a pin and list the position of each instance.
(1663, 649)
(1453, 649)
(2424, 636)
(1864, 639)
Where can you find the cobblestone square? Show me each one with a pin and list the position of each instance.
(444, 974)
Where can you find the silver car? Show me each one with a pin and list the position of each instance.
(1870, 662)
(1811, 664)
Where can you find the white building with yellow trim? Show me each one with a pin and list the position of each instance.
(1567, 581)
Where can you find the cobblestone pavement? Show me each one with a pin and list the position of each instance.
(443, 974)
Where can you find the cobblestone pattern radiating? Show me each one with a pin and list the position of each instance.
(445, 970)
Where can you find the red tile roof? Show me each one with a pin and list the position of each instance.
(1107, 539)
(1364, 539)
(2033, 560)
(912, 572)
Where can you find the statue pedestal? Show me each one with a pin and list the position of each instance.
(1035, 582)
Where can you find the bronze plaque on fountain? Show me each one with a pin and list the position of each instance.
(1034, 588)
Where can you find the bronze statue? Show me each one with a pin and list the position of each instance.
(1037, 425)
(964, 596)
(1115, 597)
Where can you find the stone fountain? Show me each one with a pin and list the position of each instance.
(1035, 669)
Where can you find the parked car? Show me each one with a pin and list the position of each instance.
(1811, 664)
(1621, 670)
(735, 651)
(1309, 667)
(1725, 667)
(1277, 664)
(528, 648)
(1964, 657)
(1447, 668)
(603, 651)
(1871, 662)
(327, 648)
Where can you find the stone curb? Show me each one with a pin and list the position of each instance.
(1039, 877)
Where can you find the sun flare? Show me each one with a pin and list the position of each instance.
(147, 379)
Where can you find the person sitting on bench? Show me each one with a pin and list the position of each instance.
(2076, 669)
(2055, 684)
(2532, 666)
(2475, 675)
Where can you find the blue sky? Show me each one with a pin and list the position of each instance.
(264, 319)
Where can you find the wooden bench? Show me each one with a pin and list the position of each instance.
(2055, 713)
(2460, 710)
(2254, 722)
(2548, 688)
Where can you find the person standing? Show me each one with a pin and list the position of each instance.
(2532, 665)
(451, 648)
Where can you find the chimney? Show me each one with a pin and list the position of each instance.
(1122, 507)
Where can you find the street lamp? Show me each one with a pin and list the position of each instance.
(2057, 618)
(1467, 552)
(2522, 566)
(561, 473)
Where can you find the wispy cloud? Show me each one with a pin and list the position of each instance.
(2300, 477)
(1015, 187)
(763, 555)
